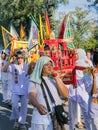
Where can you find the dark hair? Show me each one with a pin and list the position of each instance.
(87, 51)
(95, 58)
(18, 52)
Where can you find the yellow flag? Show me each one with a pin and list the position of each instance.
(40, 31)
(7, 37)
(22, 32)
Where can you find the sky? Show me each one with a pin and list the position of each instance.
(77, 3)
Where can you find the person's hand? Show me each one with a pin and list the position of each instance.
(94, 71)
(12, 59)
(42, 109)
(88, 62)
(55, 74)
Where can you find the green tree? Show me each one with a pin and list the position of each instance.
(81, 27)
(96, 33)
(19, 11)
(90, 43)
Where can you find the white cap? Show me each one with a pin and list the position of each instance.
(6, 51)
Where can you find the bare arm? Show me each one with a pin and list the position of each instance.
(63, 90)
(94, 88)
(4, 69)
(7, 65)
(35, 103)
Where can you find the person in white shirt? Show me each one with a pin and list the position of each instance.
(19, 90)
(79, 94)
(4, 75)
(41, 119)
(91, 84)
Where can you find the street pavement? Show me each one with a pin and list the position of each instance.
(5, 111)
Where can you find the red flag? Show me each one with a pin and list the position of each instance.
(62, 29)
(47, 27)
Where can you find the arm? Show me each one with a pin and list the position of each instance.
(5, 68)
(94, 88)
(33, 100)
(35, 103)
(63, 90)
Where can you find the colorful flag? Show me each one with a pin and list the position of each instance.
(13, 31)
(47, 27)
(67, 35)
(62, 28)
(22, 32)
(7, 37)
(33, 36)
(40, 31)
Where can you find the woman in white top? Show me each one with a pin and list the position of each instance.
(91, 83)
(41, 119)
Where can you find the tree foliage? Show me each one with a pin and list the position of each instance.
(19, 11)
(81, 27)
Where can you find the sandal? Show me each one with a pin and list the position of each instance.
(79, 126)
(82, 120)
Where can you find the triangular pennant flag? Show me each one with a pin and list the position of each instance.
(13, 31)
(62, 28)
(22, 32)
(7, 37)
(40, 31)
(67, 35)
(48, 31)
(33, 33)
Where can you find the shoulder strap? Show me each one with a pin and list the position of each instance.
(51, 97)
(46, 100)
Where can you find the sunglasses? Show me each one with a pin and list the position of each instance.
(19, 57)
(3, 52)
(16, 76)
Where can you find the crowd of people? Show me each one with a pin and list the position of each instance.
(22, 82)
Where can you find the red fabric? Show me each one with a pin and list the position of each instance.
(74, 73)
(62, 29)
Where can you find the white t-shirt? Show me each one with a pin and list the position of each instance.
(37, 118)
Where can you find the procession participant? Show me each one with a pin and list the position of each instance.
(79, 94)
(31, 66)
(41, 119)
(10, 83)
(88, 55)
(80, 123)
(4, 75)
(91, 84)
(19, 90)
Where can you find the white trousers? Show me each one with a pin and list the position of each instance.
(5, 89)
(94, 123)
(78, 113)
(73, 113)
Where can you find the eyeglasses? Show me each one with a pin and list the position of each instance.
(16, 76)
(19, 57)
